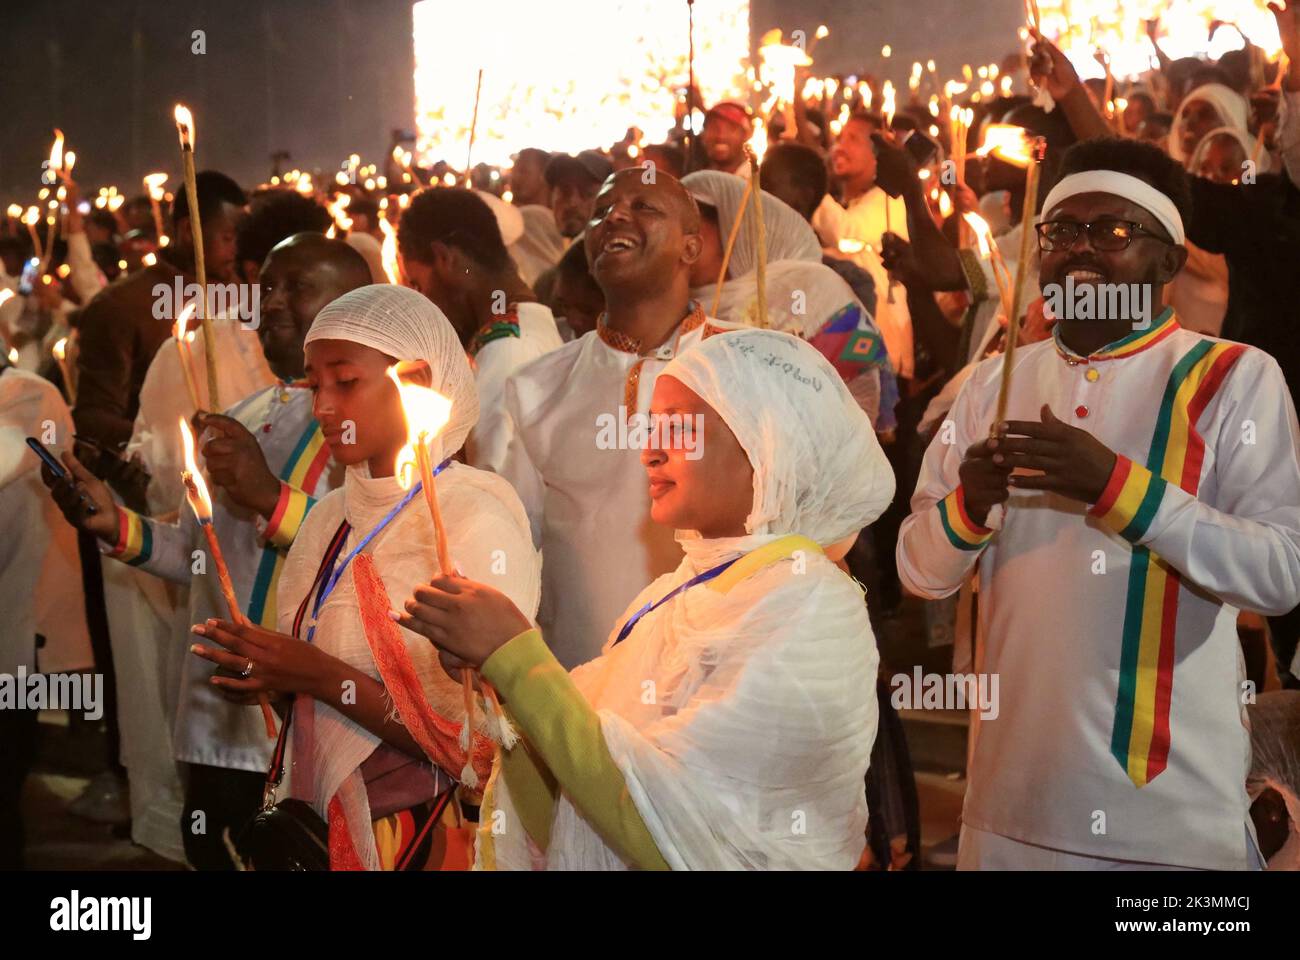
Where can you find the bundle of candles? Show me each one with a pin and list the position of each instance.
(427, 412)
(196, 494)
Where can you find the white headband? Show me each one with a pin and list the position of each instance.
(1121, 185)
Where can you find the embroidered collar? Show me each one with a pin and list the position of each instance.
(617, 340)
(1135, 342)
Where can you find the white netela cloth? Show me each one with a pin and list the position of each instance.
(752, 753)
(487, 534)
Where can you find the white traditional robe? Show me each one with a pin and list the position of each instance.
(589, 507)
(493, 363)
(864, 221)
(40, 570)
(1084, 757)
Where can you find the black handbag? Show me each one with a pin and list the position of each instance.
(289, 835)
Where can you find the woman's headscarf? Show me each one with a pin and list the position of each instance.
(763, 699)
(483, 519)
(1249, 146)
(403, 324)
(1230, 106)
(817, 463)
(789, 236)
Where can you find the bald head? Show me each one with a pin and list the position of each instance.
(644, 233)
(666, 186)
(343, 264)
(300, 276)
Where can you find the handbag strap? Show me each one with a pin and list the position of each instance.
(275, 773)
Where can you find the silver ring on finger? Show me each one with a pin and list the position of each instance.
(247, 671)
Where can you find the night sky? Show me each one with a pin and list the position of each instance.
(322, 78)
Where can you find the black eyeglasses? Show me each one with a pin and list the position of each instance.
(1109, 234)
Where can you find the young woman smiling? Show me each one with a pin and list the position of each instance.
(729, 720)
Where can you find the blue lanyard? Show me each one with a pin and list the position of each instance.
(699, 578)
(335, 573)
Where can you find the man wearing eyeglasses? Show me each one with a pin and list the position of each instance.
(1143, 487)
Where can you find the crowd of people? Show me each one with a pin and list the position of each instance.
(715, 421)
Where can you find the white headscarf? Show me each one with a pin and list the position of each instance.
(403, 324)
(1248, 147)
(487, 533)
(752, 750)
(1230, 106)
(814, 453)
(802, 293)
(369, 248)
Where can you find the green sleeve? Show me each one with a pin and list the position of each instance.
(563, 731)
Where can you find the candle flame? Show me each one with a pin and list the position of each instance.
(183, 319)
(196, 491)
(983, 233)
(1007, 142)
(887, 103)
(13, 351)
(60, 349)
(427, 412)
(15, 211)
(56, 151)
(154, 184)
(849, 245)
(184, 126)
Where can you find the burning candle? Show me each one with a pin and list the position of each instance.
(55, 166)
(60, 354)
(988, 249)
(427, 412)
(183, 352)
(1027, 235)
(196, 494)
(153, 183)
(185, 130)
(31, 218)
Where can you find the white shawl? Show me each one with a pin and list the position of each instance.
(752, 750)
(487, 534)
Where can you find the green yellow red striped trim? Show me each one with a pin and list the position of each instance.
(289, 513)
(1130, 500)
(301, 472)
(134, 538)
(963, 532)
(1141, 736)
(1137, 341)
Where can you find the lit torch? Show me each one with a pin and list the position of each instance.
(196, 494)
(60, 354)
(183, 352)
(185, 130)
(427, 412)
(153, 183)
